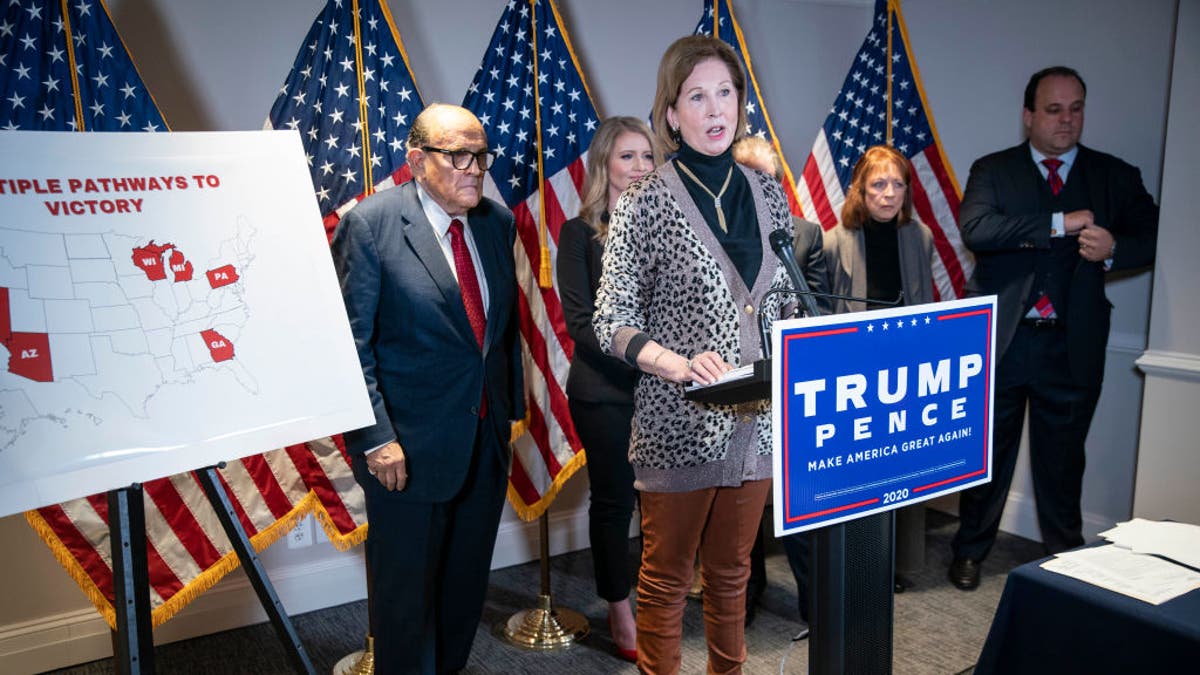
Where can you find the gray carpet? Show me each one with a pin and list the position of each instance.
(938, 629)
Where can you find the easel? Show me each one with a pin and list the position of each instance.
(133, 640)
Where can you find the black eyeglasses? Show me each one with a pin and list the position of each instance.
(461, 159)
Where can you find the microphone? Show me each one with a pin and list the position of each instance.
(781, 243)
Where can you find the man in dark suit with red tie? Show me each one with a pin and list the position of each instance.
(1047, 220)
(429, 283)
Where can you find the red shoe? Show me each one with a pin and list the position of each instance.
(624, 654)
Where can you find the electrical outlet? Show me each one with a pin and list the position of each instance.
(301, 535)
(321, 536)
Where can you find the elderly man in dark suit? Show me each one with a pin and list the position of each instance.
(429, 283)
(1047, 220)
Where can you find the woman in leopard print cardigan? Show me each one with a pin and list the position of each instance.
(685, 269)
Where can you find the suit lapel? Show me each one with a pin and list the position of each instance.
(854, 256)
(418, 232)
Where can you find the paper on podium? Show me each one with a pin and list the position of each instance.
(750, 382)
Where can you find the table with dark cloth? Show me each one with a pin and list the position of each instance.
(1051, 623)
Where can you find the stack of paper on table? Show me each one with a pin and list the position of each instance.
(1130, 565)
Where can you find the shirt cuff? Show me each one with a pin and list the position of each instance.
(1057, 228)
(636, 343)
(378, 447)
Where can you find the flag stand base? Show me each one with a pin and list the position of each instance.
(358, 663)
(544, 628)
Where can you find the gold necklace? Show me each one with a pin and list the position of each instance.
(716, 198)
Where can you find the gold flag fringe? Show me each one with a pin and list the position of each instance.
(309, 504)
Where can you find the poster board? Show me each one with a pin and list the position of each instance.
(167, 302)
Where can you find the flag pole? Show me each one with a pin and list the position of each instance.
(544, 280)
(888, 96)
(364, 131)
(545, 628)
(74, 72)
(361, 662)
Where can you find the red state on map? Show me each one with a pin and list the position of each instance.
(180, 266)
(218, 345)
(222, 276)
(29, 356)
(148, 258)
(5, 319)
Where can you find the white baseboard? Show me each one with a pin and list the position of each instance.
(1020, 518)
(80, 636)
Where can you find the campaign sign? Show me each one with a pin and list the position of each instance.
(876, 410)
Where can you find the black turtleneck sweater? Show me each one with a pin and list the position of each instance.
(883, 260)
(742, 243)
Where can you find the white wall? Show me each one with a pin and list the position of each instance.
(1169, 457)
(216, 66)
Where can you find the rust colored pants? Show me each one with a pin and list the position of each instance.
(721, 524)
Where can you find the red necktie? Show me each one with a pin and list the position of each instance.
(1052, 177)
(468, 283)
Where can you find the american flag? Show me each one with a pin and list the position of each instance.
(352, 97)
(530, 95)
(882, 101)
(71, 72)
(718, 19)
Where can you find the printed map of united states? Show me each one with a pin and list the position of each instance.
(86, 317)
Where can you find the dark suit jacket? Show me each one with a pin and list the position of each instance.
(595, 376)
(808, 246)
(423, 367)
(1002, 225)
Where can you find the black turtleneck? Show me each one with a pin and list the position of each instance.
(742, 243)
(883, 259)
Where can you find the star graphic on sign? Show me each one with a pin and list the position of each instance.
(927, 319)
(870, 328)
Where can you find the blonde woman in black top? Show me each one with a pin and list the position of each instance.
(600, 387)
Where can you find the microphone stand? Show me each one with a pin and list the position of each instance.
(810, 308)
(851, 568)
